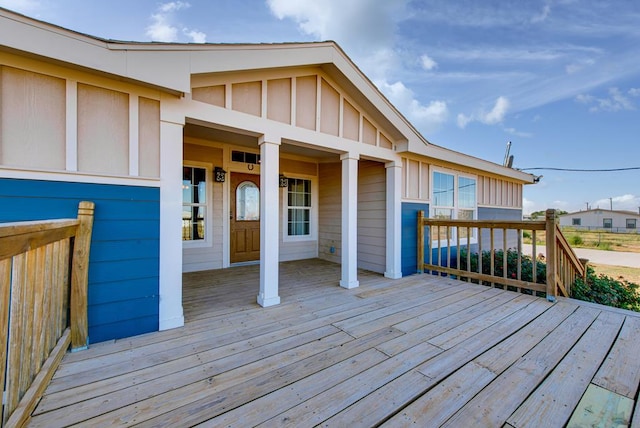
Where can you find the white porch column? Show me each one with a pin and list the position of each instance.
(349, 220)
(171, 314)
(269, 222)
(394, 226)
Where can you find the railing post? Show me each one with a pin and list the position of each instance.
(420, 241)
(80, 277)
(550, 219)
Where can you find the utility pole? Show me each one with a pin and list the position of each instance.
(587, 205)
(611, 203)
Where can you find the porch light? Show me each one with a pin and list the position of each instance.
(219, 174)
(284, 181)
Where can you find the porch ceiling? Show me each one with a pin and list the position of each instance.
(238, 138)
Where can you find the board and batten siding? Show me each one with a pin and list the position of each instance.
(83, 124)
(208, 255)
(306, 98)
(124, 259)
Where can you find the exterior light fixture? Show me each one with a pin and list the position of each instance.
(219, 174)
(284, 181)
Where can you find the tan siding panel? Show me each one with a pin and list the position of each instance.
(371, 216)
(279, 100)
(298, 167)
(424, 188)
(32, 120)
(329, 109)
(213, 95)
(404, 177)
(103, 130)
(414, 180)
(350, 122)
(369, 132)
(385, 142)
(149, 137)
(306, 100)
(247, 97)
(329, 211)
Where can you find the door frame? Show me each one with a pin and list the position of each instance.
(231, 195)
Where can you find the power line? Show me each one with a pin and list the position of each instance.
(580, 170)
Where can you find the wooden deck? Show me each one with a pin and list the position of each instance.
(421, 350)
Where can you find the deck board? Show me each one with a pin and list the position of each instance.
(420, 349)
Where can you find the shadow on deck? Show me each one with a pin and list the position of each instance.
(422, 349)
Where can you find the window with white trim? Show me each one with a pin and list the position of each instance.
(631, 223)
(453, 197)
(194, 203)
(299, 207)
(607, 223)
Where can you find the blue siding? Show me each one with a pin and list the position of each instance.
(125, 247)
(409, 258)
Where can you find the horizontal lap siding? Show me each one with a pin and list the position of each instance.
(329, 212)
(124, 260)
(371, 216)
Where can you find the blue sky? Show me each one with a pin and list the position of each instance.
(558, 78)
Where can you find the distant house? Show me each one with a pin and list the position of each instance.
(206, 156)
(610, 220)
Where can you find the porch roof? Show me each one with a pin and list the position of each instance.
(422, 348)
(169, 67)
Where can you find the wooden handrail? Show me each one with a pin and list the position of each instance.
(38, 289)
(562, 265)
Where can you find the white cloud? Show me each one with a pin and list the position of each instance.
(21, 6)
(579, 66)
(529, 206)
(162, 28)
(427, 62)
(517, 133)
(492, 117)
(616, 101)
(634, 92)
(426, 117)
(196, 36)
(626, 202)
(546, 11)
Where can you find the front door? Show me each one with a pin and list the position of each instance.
(245, 217)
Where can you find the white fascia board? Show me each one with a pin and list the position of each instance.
(168, 70)
(451, 156)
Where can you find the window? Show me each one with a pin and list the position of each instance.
(631, 223)
(194, 203)
(607, 223)
(454, 197)
(298, 207)
(247, 202)
(576, 221)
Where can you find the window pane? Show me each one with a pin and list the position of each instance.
(247, 202)
(631, 223)
(299, 200)
(607, 223)
(193, 219)
(443, 189)
(466, 192)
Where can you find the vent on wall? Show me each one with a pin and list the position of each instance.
(244, 157)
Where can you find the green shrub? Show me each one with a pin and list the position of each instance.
(526, 234)
(576, 240)
(607, 291)
(605, 246)
(597, 288)
(526, 273)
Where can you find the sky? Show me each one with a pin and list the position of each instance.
(560, 79)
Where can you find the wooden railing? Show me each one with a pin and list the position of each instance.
(43, 306)
(454, 247)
